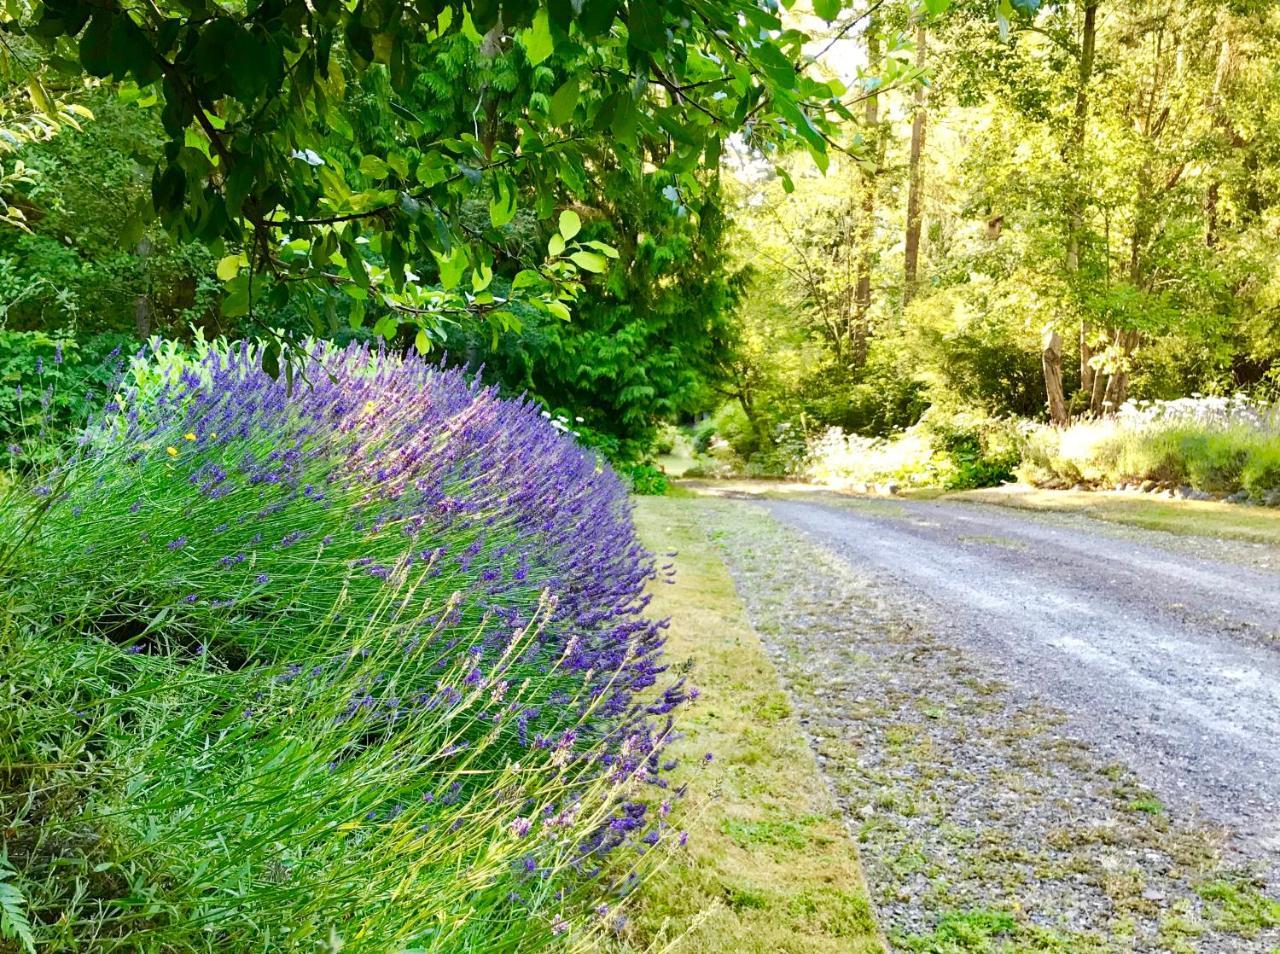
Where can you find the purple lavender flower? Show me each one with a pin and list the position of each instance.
(492, 535)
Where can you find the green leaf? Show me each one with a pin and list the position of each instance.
(271, 359)
(235, 304)
(827, 9)
(422, 341)
(776, 66)
(452, 268)
(229, 267)
(355, 318)
(570, 224)
(525, 278)
(14, 922)
(555, 247)
(399, 165)
(597, 16)
(936, 7)
(355, 265)
(502, 207)
(644, 25)
(563, 101)
(374, 167)
(589, 261)
(537, 41)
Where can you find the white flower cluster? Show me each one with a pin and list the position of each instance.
(561, 423)
(1238, 410)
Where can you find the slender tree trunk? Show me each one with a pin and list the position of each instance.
(1051, 362)
(911, 254)
(866, 232)
(490, 48)
(1118, 381)
(1211, 215)
(1220, 77)
(1097, 392)
(1087, 373)
(1051, 356)
(142, 304)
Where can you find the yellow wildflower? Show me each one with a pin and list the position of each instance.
(171, 451)
(190, 435)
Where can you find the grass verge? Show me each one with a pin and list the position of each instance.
(770, 867)
(1190, 517)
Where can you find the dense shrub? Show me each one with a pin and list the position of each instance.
(646, 479)
(704, 432)
(665, 442)
(955, 451)
(1217, 445)
(48, 386)
(736, 429)
(364, 662)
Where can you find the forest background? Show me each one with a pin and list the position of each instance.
(1042, 217)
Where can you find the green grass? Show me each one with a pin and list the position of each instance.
(770, 867)
(1190, 517)
(996, 931)
(964, 931)
(1238, 906)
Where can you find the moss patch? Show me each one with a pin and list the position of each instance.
(769, 866)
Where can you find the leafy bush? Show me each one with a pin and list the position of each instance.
(703, 434)
(1261, 473)
(1217, 445)
(665, 442)
(1216, 460)
(736, 429)
(956, 451)
(364, 663)
(647, 480)
(983, 452)
(48, 386)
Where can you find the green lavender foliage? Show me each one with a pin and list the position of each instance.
(202, 773)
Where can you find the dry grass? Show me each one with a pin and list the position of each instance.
(770, 866)
(1194, 517)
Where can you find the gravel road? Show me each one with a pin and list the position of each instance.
(1168, 661)
(1047, 732)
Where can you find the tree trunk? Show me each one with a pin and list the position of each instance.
(1073, 154)
(911, 254)
(142, 304)
(866, 232)
(1211, 216)
(1051, 361)
(1097, 391)
(1118, 381)
(1087, 373)
(490, 48)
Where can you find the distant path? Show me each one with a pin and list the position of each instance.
(1164, 659)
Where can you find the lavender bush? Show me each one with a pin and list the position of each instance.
(360, 664)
